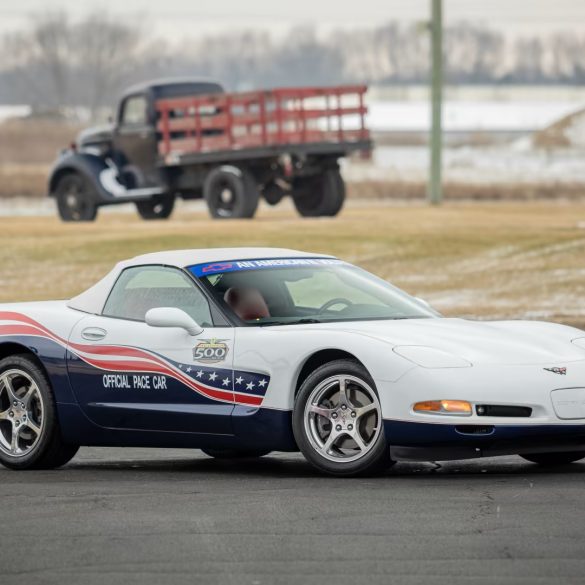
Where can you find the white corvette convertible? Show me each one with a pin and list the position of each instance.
(240, 352)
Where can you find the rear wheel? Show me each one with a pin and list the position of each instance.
(157, 208)
(337, 420)
(231, 193)
(319, 196)
(553, 459)
(75, 198)
(234, 453)
(30, 437)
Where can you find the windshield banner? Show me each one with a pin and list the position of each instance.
(239, 265)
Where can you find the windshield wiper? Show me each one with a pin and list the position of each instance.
(297, 322)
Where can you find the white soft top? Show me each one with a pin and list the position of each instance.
(94, 299)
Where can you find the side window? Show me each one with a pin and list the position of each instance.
(142, 288)
(134, 112)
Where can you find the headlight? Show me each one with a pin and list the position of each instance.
(431, 357)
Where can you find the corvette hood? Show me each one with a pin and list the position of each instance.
(497, 342)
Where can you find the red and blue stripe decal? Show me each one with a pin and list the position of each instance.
(223, 385)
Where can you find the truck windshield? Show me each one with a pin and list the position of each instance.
(289, 291)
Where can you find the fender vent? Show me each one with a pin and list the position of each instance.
(503, 411)
(474, 429)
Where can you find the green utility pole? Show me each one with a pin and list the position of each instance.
(435, 192)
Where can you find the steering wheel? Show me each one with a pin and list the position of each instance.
(333, 302)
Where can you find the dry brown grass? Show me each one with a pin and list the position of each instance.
(521, 260)
(27, 149)
(411, 190)
(34, 141)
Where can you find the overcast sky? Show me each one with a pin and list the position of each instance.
(177, 19)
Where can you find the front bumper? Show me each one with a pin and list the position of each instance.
(440, 442)
(420, 436)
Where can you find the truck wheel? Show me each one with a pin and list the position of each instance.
(319, 196)
(231, 193)
(75, 201)
(156, 208)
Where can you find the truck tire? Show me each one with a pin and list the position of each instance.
(231, 193)
(320, 196)
(156, 208)
(75, 198)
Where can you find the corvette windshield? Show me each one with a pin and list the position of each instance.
(305, 290)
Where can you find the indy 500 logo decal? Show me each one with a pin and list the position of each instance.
(210, 351)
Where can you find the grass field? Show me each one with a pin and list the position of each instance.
(489, 261)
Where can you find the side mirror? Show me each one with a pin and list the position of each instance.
(172, 317)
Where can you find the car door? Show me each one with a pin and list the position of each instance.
(135, 142)
(126, 374)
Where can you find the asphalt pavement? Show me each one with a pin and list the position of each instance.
(138, 516)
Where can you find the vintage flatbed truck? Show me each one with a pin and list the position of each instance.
(191, 139)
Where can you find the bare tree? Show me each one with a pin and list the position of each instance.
(42, 56)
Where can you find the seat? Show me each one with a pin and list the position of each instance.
(247, 303)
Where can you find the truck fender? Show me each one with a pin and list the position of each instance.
(102, 173)
(87, 165)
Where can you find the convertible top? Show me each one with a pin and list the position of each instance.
(93, 300)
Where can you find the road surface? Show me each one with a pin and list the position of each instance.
(137, 516)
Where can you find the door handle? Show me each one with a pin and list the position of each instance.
(93, 333)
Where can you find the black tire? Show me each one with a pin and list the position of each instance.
(320, 196)
(231, 193)
(273, 193)
(554, 459)
(156, 208)
(234, 453)
(75, 198)
(48, 450)
(377, 456)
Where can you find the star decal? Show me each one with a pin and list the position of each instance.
(226, 382)
(189, 369)
(250, 386)
(213, 376)
(262, 383)
(239, 380)
(200, 373)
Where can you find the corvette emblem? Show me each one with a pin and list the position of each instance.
(561, 371)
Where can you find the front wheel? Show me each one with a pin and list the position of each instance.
(337, 420)
(320, 196)
(231, 193)
(75, 199)
(30, 437)
(156, 208)
(554, 459)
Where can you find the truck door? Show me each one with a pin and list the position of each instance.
(135, 142)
